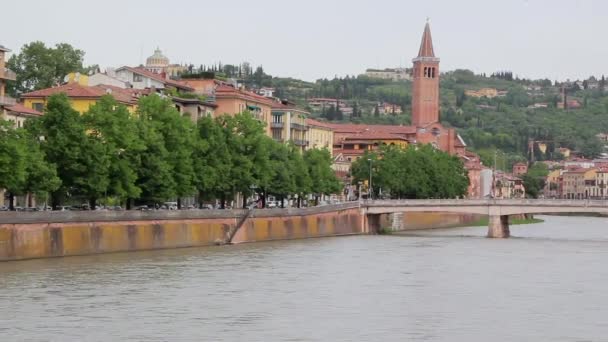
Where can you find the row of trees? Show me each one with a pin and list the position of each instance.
(414, 172)
(153, 155)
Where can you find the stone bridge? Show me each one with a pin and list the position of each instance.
(498, 211)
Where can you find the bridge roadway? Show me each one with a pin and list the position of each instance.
(498, 210)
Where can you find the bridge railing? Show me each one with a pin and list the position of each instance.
(486, 202)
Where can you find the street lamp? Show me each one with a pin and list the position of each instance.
(371, 193)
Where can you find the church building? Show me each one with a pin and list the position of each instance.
(425, 128)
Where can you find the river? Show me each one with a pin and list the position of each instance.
(547, 283)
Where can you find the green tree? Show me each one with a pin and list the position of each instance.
(178, 136)
(282, 182)
(154, 172)
(534, 179)
(81, 159)
(324, 180)
(303, 182)
(213, 161)
(112, 124)
(13, 161)
(38, 66)
(421, 172)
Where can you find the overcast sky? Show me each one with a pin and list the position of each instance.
(312, 39)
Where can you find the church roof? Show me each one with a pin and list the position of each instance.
(426, 45)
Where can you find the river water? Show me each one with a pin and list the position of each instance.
(548, 283)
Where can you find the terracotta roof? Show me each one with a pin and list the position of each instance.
(21, 109)
(368, 136)
(359, 128)
(350, 152)
(75, 90)
(313, 122)
(158, 77)
(225, 90)
(426, 45)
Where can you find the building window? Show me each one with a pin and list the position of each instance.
(137, 78)
(39, 106)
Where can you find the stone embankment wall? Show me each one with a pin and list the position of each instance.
(54, 234)
(426, 220)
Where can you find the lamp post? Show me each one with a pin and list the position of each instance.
(371, 192)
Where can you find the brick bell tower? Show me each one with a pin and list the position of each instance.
(425, 89)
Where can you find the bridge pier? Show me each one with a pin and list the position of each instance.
(373, 223)
(498, 226)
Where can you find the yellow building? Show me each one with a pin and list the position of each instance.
(578, 184)
(81, 97)
(600, 189)
(552, 184)
(320, 135)
(289, 124)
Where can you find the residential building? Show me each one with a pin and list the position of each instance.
(266, 92)
(575, 185)
(289, 124)
(320, 135)
(601, 184)
(231, 101)
(107, 78)
(5, 100)
(202, 86)
(389, 108)
(564, 151)
(483, 92)
(18, 114)
(318, 104)
(570, 104)
(394, 74)
(508, 186)
(579, 164)
(538, 105)
(553, 184)
(194, 108)
(140, 78)
(520, 169)
(82, 97)
(5, 75)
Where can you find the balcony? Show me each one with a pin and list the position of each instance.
(298, 142)
(7, 74)
(299, 127)
(7, 101)
(276, 125)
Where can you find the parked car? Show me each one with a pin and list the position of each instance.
(142, 208)
(169, 205)
(3, 208)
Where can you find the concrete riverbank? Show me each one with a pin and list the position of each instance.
(57, 234)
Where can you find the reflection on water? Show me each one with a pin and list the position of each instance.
(546, 284)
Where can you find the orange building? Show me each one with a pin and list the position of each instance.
(231, 101)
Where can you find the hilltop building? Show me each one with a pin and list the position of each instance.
(394, 74)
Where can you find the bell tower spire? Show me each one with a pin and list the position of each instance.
(425, 88)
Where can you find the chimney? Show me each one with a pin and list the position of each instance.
(163, 74)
